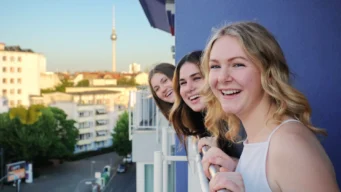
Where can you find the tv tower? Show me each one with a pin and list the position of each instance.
(113, 39)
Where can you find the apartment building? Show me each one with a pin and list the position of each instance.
(120, 99)
(49, 80)
(141, 78)
(97, 97)
(93, 122)
(19, 74)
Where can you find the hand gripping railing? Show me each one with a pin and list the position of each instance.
(212, 169)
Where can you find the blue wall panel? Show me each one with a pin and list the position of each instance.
(309, 31)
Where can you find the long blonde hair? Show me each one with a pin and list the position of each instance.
(263, 49)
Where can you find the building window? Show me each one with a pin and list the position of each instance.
(11, 91)
(12, 81)
(85, 136)
(4, 69)
(19, 59)
(19, 81)
(4, 58)
(19, 69)
(12, 69)
(4, 92)
(19, 102)
(11, 103)
(4, 81)
(19, 91)
(84, 125)
(5, 102)
(12, 58)
(85, 114)
(102, 122)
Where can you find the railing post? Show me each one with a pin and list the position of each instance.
(157, 171)
(129, 118)
(202, 178)
(165, 162)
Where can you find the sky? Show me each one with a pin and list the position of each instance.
(74, 35)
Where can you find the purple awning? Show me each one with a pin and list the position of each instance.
(159, 14)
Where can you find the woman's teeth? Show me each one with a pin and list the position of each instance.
(230, 92)
(194, 97)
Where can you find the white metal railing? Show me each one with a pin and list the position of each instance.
(161, 159)
(144, 115)
(143, 112)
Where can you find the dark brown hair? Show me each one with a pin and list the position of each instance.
(168, 70)
(185, 121)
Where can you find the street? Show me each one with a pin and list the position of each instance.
(123, 182)
(71, 176)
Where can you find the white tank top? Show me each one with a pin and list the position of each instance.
(252, 164)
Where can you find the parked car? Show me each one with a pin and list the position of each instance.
(121, 168)
(129, 159)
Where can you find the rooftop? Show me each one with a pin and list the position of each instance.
(17, 48)
(94, 92)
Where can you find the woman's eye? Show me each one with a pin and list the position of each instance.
(182, 83)
(238, 65)
(214, 66)
(197, 78)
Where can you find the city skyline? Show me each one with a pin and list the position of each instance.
(75, 36)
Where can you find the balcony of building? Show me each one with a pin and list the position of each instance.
(101, 128)
(145, 122)
(85, 141)
(153, 148)
(101, 113)
(102, 138)
(86, 130)
(85, 114)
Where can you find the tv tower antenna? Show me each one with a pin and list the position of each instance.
(113, 38)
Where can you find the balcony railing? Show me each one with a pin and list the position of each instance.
(101, 138)
(85, 141)
(85, 130)
(101, 127)
(143, 113)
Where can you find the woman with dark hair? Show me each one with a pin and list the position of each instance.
(160, 83)
(188, 111)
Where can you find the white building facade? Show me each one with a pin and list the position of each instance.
(20, 74)
(134, 68)
(93, 123)
(49, 80)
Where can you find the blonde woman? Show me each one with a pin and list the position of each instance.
(247, 77)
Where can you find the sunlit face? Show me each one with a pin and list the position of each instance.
(191, 81)
(234, 79)
(163, 88)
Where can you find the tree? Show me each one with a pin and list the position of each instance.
(121, 143)
(26, 116)
(83, 83)
(59, 88)
(126, 81)
(64, 131)
(37, 133)
(65, 83)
